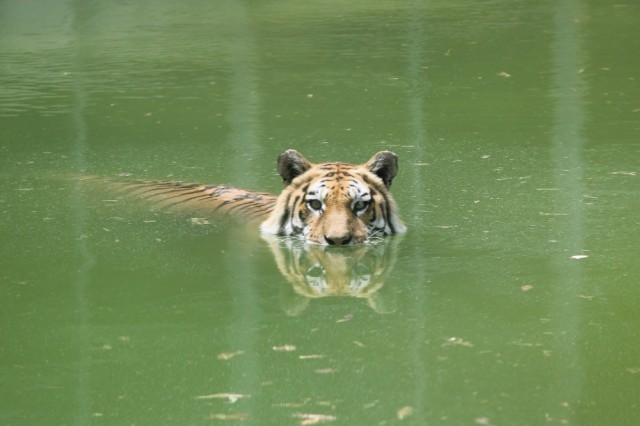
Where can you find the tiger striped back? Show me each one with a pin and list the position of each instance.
(210, 199)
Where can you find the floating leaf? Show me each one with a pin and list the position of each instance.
(457, 341)
(234, 416)
(404, 412)
(579, 256)
(284, 348)
(312, 419)
(226, 356)
(315, 356)
(624, 173)
(199, 221)
(346, 318)
(232, 397)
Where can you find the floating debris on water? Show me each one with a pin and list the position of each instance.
(315, 356)
(457, 341)
(226, 356)
(199, 221)
(234, 416)
(312, 419)
(579, 256)
(346, 318)
(284, 348)
(231, 397)
(404, 412)
(624, 173)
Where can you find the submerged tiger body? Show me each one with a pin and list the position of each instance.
(248, 205)
(326, 203)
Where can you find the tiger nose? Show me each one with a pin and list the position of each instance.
(338, 240)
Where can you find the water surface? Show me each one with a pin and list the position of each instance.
(512, 300)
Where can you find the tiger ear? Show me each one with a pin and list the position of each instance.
(384, 165)
(292, 164)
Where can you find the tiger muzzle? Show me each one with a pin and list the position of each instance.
(338, 241)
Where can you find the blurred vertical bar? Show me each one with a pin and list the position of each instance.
(244, 121)
(567, 144)
(415, 101)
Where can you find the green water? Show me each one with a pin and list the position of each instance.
(512, 300)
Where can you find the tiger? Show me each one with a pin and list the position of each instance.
(331, 203)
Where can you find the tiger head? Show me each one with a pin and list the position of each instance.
(335, 203)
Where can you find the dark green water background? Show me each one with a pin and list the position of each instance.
(512, 300)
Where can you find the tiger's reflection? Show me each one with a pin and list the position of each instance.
(316, 271)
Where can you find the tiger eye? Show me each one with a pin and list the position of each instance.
(360, 206)
(314, 204)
